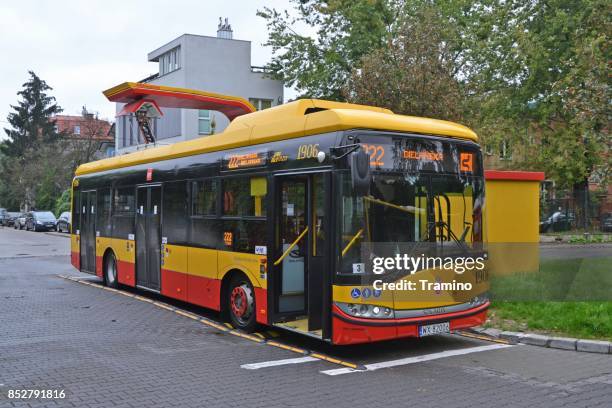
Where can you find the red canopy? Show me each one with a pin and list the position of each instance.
(170, 97)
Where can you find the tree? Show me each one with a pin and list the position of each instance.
(415, 74)
(62, 204)
(534, 75)
(346, 31)
(33, 172)
(83, 147)
(38, 178)
(32, 120)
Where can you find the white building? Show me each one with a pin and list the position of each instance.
(217, 64)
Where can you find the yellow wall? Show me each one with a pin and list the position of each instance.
(512, 211)
(512, 222)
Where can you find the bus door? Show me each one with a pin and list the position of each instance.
(88, 231)
(148, 237)
(300, 279)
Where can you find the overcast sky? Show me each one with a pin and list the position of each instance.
(84, 47)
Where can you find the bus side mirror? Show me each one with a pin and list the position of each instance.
(360, 172)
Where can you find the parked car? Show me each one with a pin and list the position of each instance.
(20, 221)
(40, 221)
(13, 216)
(606, 223)
(558, 221)
(63, 222)
(3, 216)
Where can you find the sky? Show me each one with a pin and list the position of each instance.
(81, 48)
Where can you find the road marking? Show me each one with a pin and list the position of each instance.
(417, 359)
(481, 337)
(275, 363)
(224, 327)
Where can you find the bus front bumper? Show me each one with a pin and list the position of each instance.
(347, 329)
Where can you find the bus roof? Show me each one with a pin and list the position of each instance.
(291, 120)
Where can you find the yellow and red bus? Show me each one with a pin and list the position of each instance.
(268, 221)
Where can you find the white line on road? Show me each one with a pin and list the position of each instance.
(417, 359)
(255, 366)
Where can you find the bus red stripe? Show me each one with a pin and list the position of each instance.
(75, 259)
(174, 284)
(99, 266)
(126, 273)
(204, 291)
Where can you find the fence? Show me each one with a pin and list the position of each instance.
(576, 211)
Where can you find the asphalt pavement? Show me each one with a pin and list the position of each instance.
(106, 348)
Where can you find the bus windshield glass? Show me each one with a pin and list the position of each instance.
(405, 204)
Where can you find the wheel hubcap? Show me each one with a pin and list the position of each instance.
(110, 272)
(241, 302)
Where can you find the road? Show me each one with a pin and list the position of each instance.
(106, 349)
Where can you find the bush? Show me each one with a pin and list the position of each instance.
(62, 203)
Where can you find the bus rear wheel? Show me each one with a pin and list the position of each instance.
(241, 303)
(110, 271)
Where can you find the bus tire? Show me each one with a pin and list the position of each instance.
(241, 303)
(110, 271)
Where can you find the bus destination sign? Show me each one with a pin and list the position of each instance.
(245, 160)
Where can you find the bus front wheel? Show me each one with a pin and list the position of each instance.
(110, 271)
(241, 303)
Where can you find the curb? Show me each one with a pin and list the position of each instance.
(540, 340)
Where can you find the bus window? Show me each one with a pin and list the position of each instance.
(174, 208)
(204, 197)
(103, 224)
(239, 199)
(76, 213)
(124, 201)
(245, 235)
(124, 207)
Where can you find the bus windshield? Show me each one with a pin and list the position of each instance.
(409, 208)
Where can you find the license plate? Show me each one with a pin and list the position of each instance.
(431, 329)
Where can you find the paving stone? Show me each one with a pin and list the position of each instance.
(109, 350)
(565, 343)
(535, 339)
(593, 346)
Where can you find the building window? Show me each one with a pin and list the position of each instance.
(170, 61)
(204, 120)
(77, 130)
(261, 104)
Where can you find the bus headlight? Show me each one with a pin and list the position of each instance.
(368, 311)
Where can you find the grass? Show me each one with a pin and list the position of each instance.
(591, 320)
(567, 297)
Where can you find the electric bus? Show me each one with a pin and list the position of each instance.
(275, 220)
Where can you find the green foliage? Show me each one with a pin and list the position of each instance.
(534, 74)
(62, 203)
(414, 74)
(346, 30)
(34, 172)
(31, 122)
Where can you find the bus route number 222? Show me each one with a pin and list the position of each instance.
(376, 152)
